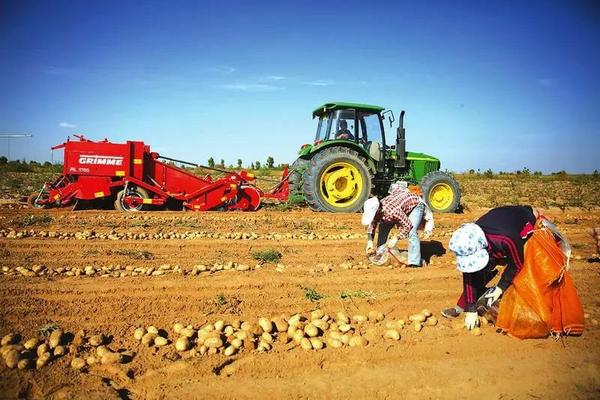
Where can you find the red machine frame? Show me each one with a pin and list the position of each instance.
(136, 178)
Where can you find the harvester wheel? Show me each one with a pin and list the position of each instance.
(134, 200)
(441, 192)
(248, 199)
(337, 180)
(296, 172)
(33, 199)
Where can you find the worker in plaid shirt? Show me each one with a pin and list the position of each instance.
(400, 208)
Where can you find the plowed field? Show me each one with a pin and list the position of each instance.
(95, 270)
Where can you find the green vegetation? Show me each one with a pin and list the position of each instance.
(47, 329)
(267, 256)
(312, 295)
(221, 299)
(360, 294)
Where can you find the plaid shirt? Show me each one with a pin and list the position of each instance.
(395, 209)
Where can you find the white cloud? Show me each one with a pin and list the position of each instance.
(222, 69)
(250, 87)
(321, 82)
(275, 78)
(67, 125)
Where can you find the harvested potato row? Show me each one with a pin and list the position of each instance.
(189, 235)
(121, 271)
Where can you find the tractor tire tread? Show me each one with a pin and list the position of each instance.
(310, 184)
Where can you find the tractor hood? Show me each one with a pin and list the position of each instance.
(410, 155)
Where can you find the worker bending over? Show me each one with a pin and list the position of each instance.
(497, 236)
(402, 209)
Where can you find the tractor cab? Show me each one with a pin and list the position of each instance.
(358, 123)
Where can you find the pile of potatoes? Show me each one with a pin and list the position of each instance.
(313, 331)
(89, 350)
(33, 352)
(418, 321)
(38, 352)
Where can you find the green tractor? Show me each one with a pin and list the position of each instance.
(350, 159)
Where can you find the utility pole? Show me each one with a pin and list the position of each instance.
(10, 136)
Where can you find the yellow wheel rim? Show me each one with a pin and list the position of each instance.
(441, 196)
(341, 184)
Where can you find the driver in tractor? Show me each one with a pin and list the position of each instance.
(343, 131)
(403, 209)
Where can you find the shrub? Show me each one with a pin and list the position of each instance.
(267, 256)
(312, 295)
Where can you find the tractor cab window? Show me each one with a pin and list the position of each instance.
(371, 135)
(323, 128)
(339, 125)
(370, 129)
(342, 125)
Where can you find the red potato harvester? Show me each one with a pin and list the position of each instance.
(135, 178)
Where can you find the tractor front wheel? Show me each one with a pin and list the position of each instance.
(132, 200)
(337, 180)
(441, 192)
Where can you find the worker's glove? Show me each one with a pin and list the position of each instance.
(492, 294)
(471, 320)
(392, 242)
(370, 249)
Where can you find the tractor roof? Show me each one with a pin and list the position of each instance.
(340, 105)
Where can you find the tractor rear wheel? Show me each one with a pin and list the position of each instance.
(133, 200)
(337, 180)
(296, 176)
(441, 192)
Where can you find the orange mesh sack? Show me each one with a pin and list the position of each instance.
(542, 298)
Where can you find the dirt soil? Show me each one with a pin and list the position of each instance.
(438, 362)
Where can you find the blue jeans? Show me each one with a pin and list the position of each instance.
(414, 244)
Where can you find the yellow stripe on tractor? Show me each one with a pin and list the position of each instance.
(99, 194)
(119, 173)
(147, 201)
(137, 161)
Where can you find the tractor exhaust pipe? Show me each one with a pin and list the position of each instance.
(401, 143)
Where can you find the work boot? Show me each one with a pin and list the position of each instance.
(452, 312)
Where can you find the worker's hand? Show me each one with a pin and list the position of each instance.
(392, 242)
(492, 295)
(471, 320)
(370, 249)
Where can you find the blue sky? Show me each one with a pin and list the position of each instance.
(499, 85)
